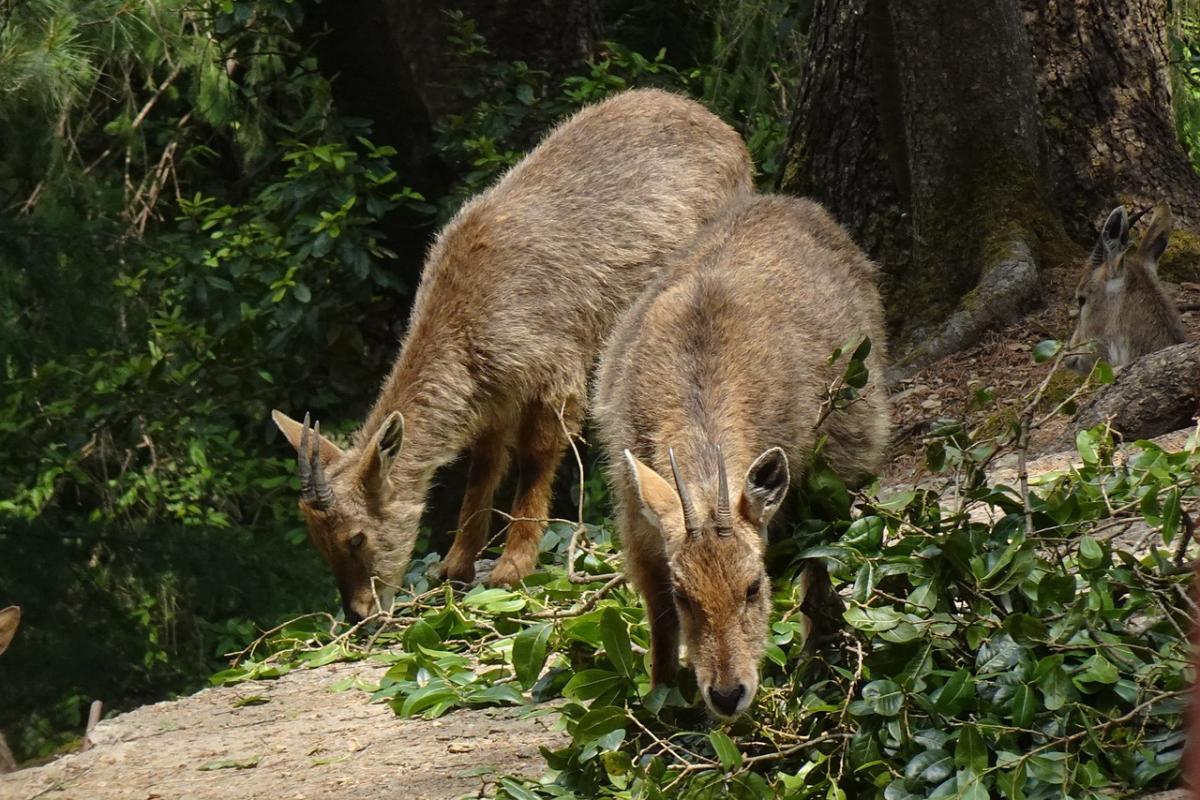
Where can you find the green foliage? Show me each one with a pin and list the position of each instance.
(995, 643)
(748, 80)
(1183, 39)
(188, 238)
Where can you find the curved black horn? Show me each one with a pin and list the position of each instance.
(724, 517)
(1097, 255)
(324, 492)
(304, 465)
(314, 487)
(690, 523)
(1133, 218)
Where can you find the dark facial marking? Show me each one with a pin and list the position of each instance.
(754, 590)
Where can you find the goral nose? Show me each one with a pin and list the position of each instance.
(352, 616)
(726, 701)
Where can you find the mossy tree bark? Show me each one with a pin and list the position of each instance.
(918, 125)
(1158, 393)
(846, 144)
(1105, 93)
(956, 140)
(971, 129)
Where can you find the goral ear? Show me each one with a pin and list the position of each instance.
(659, 501)
(381, 453)
(293, 430)
(1158, 236)
(766, 485)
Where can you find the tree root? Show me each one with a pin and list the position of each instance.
(999, 298)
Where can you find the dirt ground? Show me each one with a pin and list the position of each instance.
(1002, 363)
(298, 740)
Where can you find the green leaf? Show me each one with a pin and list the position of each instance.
(516, 790)
(598, 722)
(1046, 350)
(970, 753)
(615, 636)
(1097, 669)
(1048, 767)
(592, 683)
(1011, 783)
(1055, 590)
(502, 694)
(529, 653)
(997, 654)
(930, 766)
(1171, 515)
(1086, 442)
(1091, 554)
(494, 601)
(727, 752)
(1022, 706)
(956, 693)
(884, 697)
(865, 533)
(971, 786)
(1054, 682)
(871, 620)
(424, 698)
(421, 634)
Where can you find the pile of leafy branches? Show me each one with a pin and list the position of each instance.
(997, 641)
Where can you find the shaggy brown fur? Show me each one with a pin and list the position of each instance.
(1121, 306)
(518, 293)
(10, 618)
(726, 359)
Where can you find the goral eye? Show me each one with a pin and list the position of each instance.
(357, 540)
(753, 591)
(1081, 300)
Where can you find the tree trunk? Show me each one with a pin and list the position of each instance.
(392, 62)
(919, 125)
(1105, 93)
(1156, 394)
(971, 128)
(846, 144)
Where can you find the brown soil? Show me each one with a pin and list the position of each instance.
(302, 740)
(1002, 363)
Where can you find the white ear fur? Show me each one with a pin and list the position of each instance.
(658, 500)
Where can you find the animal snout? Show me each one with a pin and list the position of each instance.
(352, 616)
(1077, 364)
(727, 701)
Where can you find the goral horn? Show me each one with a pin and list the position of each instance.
(690, 523)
